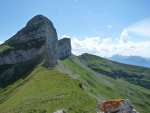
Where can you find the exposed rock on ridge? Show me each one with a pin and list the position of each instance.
(16, 56)
(36, 42)
(64, 48)
(38, 37)
(39, 28)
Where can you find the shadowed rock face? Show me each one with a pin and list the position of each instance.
(47, 31)
(38, 29)
(35, 43)
(64, 48)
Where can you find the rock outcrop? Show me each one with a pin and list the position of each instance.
(116, 106)
(38, 37)
(36, 42)
(64, 48)
(39, 28)
(17, 56)
(60, 111)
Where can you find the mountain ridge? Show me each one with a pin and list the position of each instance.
(134, 74)
(54, 79)
(132, 60)
(37, 40)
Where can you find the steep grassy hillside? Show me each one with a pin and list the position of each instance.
(104, 87)
(133, 74)
(45, 91)
(71, 86)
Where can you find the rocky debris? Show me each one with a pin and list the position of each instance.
(64, 48)
(60, 111)
(116, 106)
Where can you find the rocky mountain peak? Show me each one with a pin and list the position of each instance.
(39, 27)
(37, 38)
(34, 43)
(38, 20)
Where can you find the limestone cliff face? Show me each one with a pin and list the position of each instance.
(40, 38)
(64, 48)
(35, 43)
(17, 56)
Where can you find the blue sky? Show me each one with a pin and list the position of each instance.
(83, 19)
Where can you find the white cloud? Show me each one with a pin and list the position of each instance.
(64, 36)
(124, 37)
(107, 47)
(141, 28)
(124, 45)
(1, 42)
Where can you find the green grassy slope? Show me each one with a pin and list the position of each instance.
(45, 91)
(71, 86)
(134, 74)
(104, 87)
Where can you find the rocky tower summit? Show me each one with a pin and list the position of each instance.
(38, 37)
(40, 28)
(64, 48)
(36, 42)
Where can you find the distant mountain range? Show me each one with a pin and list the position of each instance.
(132, 60)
